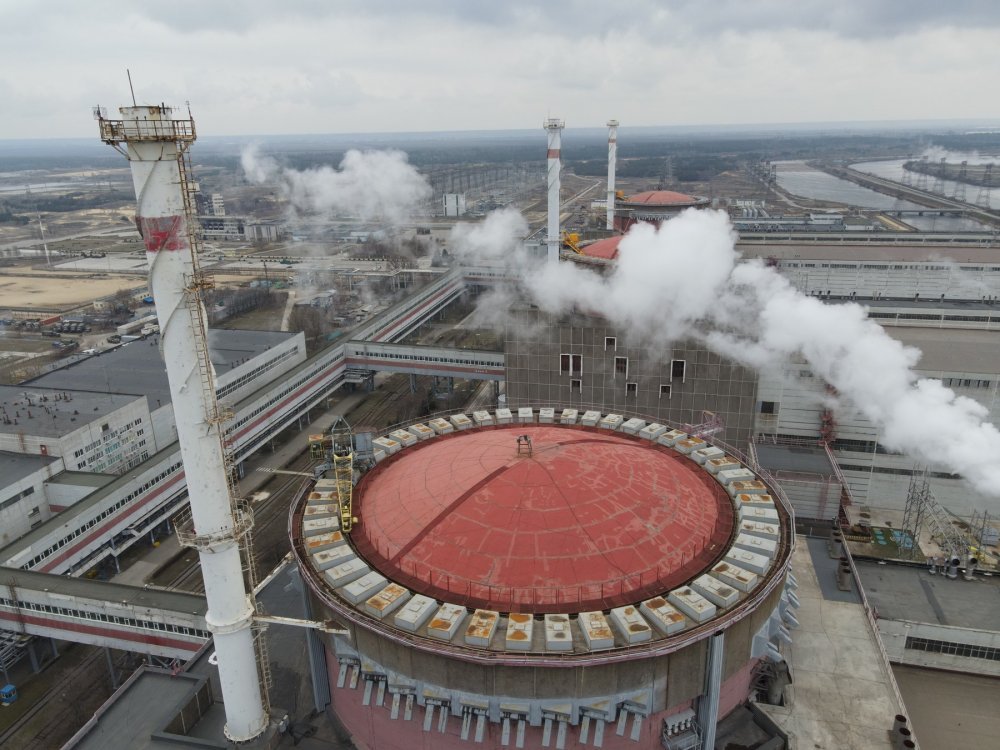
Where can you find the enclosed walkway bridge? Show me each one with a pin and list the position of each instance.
(166, 624)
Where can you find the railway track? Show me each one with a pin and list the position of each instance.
(76, 678)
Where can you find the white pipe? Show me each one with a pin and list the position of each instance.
(151, 138)
(554, 126)
(612, 160)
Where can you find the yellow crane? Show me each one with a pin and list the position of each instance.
(572, 241)
(342, 459)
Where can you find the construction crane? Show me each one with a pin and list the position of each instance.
(342, 458)
(571, 240)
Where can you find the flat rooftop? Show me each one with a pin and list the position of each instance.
(868, 252)
(843, 685)
(794, 459)
(17, 466)
(137, 367)
(53, 412)
(907, 592)
(952, 350)
(591, 519)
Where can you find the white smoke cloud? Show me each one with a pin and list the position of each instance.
(369, 185)
(685, 279)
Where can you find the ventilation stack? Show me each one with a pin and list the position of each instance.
(612, 159)
(554, 127)
(156, 145)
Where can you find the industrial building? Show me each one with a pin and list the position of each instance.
(554, 577)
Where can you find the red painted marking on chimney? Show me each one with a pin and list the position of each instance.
(162, 233)
(553, 153)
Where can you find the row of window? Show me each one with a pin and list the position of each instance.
(101, 617)
(572, 365)
(17, 497)
(885, 267)
(419, 358)
(949, 647)
(256, 372)
(100, 517)
(966, 383)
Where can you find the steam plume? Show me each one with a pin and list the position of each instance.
(685, 279)
(368, 184)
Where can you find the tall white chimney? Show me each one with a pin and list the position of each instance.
(612, 158)
(554, 126)
(155, 144)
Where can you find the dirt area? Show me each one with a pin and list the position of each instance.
(52, 292)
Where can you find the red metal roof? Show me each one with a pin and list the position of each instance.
(592, 519)
(606, 248)
(662, 198)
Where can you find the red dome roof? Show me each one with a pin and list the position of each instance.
(592, 519)
(663, 198)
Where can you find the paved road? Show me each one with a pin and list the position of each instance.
(951, 711)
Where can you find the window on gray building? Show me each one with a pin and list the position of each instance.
(570, 364)
(768, 407)
(678, 369)
(631, 389)
(575, 386)
(610, 343)
(665, 390)
(621, 366)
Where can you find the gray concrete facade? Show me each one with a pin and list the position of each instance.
(614, 370)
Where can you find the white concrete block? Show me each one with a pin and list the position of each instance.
(358, 590)
(670, 437)
(321, 542)
(331, 558)
(703, 455)
(735, 576)
(317, 526)
(525, 414)
(558, 636)
(652, 431)
(590, 418)
(596, 630)
(760, 528)
(346, 573)
(765, 547)
(387, 444)
(461, 422)
(446, 621)
(631, 625)
(412, 616)
(664, 617)
(719, 593)
(546, 416)
(633, 426)
(735, 475)
(481, 627)
(692, 604)
(611, 422)
(482, 418)
(504, 416)
(441, 426)
(568, 416)
(403, 437)
(751, 561)
(689, 445)
(386, 601)
(420, 431)
(520, 628)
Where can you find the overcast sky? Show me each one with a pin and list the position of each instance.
(340, 66)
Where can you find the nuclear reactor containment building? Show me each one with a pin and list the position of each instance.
(546, 578)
